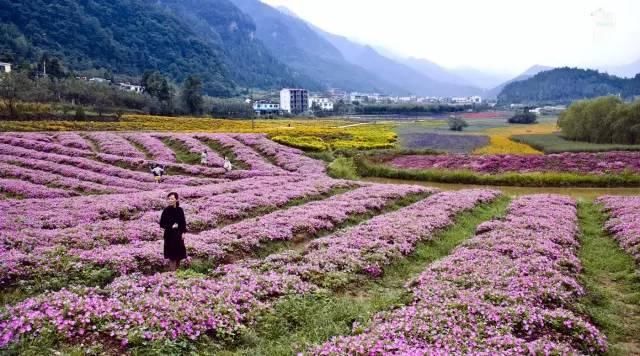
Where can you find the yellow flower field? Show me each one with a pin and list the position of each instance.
(304, 134)
(501, 143)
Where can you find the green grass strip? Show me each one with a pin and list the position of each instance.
(611, 282)
(183, 155)
(299, 322)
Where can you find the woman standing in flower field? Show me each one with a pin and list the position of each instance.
(174, 224)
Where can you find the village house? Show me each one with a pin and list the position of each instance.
(266, 107)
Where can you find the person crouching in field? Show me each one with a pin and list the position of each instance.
(204, 158)
(227, 164)
(158, 172)
(174, 224)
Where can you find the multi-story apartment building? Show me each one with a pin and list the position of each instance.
(294, 101)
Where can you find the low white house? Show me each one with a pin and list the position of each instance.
(5, 67)
(265, 107)
(138, 89)
(325, 104)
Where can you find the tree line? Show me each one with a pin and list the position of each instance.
(65, 94)
(602, 120)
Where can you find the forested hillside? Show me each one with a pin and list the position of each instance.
(563, 85)
(209, 38)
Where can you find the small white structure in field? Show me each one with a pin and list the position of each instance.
(5, 67)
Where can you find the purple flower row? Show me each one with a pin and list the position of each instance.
(29, 190)
(43, 146)
(368, 247)
(35, 136)
(73, 140)
(289, 158)
(61, 213)
(60, 181)
(624, 222)
(510, 290)
(592, 163)
(156, 307)
(158, 150)
(110, 143)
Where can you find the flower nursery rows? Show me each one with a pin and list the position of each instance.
(163, 306)
(590, 163)
(510, 290)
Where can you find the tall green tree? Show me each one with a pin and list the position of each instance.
(192, 95)
(156, 85)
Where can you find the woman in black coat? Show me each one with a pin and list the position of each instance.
(174, 224)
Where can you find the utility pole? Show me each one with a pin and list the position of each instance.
(44, 68)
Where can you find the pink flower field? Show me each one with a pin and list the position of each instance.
(82, 264)
(588, 163)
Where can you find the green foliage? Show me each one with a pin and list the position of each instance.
(156, 85)
(563, 85)
(343, 167)
(554, 143)
(192, 95)
(602, 120)
(408, 109)
(80, 114)
(178, 38)
(523, 118)
(457, 123)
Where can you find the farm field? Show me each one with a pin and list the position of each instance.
(284, 259)
(554, 143)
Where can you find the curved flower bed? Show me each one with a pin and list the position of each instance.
(368, 248)
(624, 222)
(591, 163)
(113, 144)
(510, 290)
(24, 189)
(291, 159)
(156, 148)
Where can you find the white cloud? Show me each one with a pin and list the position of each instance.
(499, 35)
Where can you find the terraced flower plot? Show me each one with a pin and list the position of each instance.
(82, 270)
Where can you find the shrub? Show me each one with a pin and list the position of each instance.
(457, 123)
(343, 167)
(523, 118)
(80, 114)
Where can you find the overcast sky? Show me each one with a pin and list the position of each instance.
(500, 36)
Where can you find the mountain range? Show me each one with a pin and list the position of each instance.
(230, 44)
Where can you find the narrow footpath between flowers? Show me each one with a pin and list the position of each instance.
(612, 283)
(298, 322)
